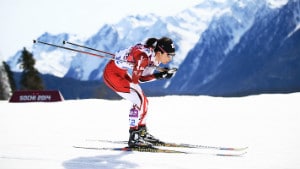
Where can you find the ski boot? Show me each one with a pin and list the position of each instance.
(142, 138)
(151, 139)
(136, 138)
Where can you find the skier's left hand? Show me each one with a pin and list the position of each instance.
(167, 73)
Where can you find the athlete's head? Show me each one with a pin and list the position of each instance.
(164, 48)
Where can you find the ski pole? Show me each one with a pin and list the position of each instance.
(86, 47)
(172, 70)
(71, 49)
(161, 69)
(81, 51)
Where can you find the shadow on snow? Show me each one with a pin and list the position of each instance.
(103, 162)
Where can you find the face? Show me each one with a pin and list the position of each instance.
(163, 57)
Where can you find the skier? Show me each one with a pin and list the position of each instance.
(132, 66)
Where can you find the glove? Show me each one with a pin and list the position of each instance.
(167, 73)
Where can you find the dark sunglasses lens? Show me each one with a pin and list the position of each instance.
(171, 54)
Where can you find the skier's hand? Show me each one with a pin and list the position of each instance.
(166, 73)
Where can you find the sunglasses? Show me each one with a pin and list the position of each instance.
(169, 54)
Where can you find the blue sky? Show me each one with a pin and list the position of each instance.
(24, 20)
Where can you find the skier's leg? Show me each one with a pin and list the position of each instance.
(139, 135)
(138, 112)
(119, 81)
(137, 116)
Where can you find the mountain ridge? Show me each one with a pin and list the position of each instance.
(215, 46)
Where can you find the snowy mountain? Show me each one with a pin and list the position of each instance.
(231, 42)
(249, 49)
(134, 29)
(185, 28)
(49, 60)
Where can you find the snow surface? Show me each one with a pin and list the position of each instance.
(41, 135)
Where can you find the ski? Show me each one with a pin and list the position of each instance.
(159, 150)
(134, 149)
(183, 145)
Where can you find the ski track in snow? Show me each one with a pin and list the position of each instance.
(41, 135)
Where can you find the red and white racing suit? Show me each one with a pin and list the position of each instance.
(123, 75)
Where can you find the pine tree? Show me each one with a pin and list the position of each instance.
(30, 79)
(10, 77)
(5, 89)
